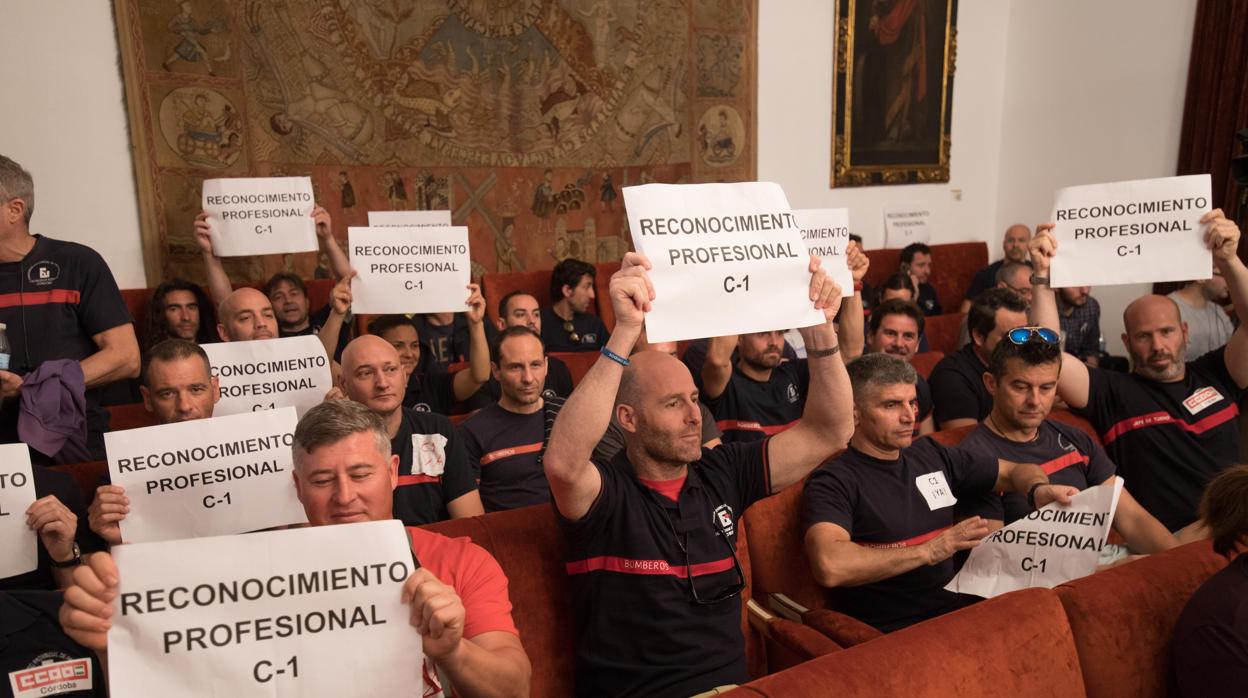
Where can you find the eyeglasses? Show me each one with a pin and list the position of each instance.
(571, 330)
(730, 592)
(1022, 335)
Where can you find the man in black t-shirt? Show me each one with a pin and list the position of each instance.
(505, 440)
(1209, 648)
(1170, 424)
(435, 479)
(1014, 244)
(180, 309)
(37, 658)
(519, 309)
(1022, 379)
(957, 381)
(895, 328)
(916, 260)
(879, 519)
(759, 396)
(567, 324)
(651, 536)
(445, 337)
(58, 300)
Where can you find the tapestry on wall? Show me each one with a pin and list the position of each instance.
(523, 117)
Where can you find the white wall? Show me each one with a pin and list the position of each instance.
(64, 120)
(1094, 94)
(795, 121)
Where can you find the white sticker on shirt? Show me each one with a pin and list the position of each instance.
(428, 454)
(52, 679)
(1201, 399)
(935, 490)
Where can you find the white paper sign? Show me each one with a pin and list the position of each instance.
(906, 223)
(826, 232)
(266, 374)
(727, 258)
(1131, 232)
(206, 477)
(390, 219)
(19, 547)
(409, 270)
(312, 612)
(1050, 546)
(260, 215)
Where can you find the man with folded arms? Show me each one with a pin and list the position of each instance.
(879, 519)
(651, 536)
(1022, 378)
(177, 386)
(435, 480)
(344, 473)
(1170, 424)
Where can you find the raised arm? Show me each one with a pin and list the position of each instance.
(574, 481)
(338, 262)
(849, 329)
(468, 382)
(828, 418)
(836, 561)
(1222, 236)
(339, 306)
(1073, 384)
(219, 285)
(717, 369)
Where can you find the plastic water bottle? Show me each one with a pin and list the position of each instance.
(6, 350)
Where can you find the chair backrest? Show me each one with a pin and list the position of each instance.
(602, 294)
(952, 437)
(924, 362)
(496, 285)
(953, 267)
(137, 301)
(1123, 618)
(86, 475)
(318, 293)
(943, 332)
(884, 264)
(122, 417)
(579, 363)
(1016, 645)
(1068, 417)
(778, 552)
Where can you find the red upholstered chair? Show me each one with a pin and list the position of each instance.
(495, 285)
(943, 332)
(924, 362)
(579, 362)
(318, 293)
(1017, 645)
(951, 437)
(1122, 618)
(602, 297)
(884, 263)
(1068, 417)
(87, 475)
(953, 267)
(137, 301)
(122, 417)
(781, 578)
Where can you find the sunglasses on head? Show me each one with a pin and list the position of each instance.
(1022, 335)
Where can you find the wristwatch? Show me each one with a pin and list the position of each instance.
(1031, 493)
(73, 561)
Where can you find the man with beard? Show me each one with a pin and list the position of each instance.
(916, 260)
(1200, 306)
(1014, 244)
(895, 328)
(506, 439)
(1080, 315)
(567, 324)
(762, 394)
(244, 315)
(1170, 424)
(180, 309)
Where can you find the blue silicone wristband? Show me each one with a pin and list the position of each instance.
(614, 357)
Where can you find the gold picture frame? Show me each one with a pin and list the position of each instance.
(895, 62)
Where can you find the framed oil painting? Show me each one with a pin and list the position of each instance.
(893, 91)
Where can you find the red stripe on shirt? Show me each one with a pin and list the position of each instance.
(418, 479)
(1063, 462)
(509, 452)
(1153, 419)
(739, 425)
(56, 295)
(610, 563)
(917, 540)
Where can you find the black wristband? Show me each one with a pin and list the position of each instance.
(1031, 494)
(821, 353)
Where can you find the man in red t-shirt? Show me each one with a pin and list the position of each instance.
(344, 473)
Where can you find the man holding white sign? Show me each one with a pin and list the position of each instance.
(1170, 424)
(270, 374)
(621, 519)
(1022, 378)
(249, 216)
(344, 473)
(879, 519)
(205, 478)
(1130, 232)
(722, 254)
(409, 270)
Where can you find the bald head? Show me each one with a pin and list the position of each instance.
(1015, 242)
(657, 407)
(244, 315)
(649, 374)
(364, 348)
(1150, 309)
(372, 374)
